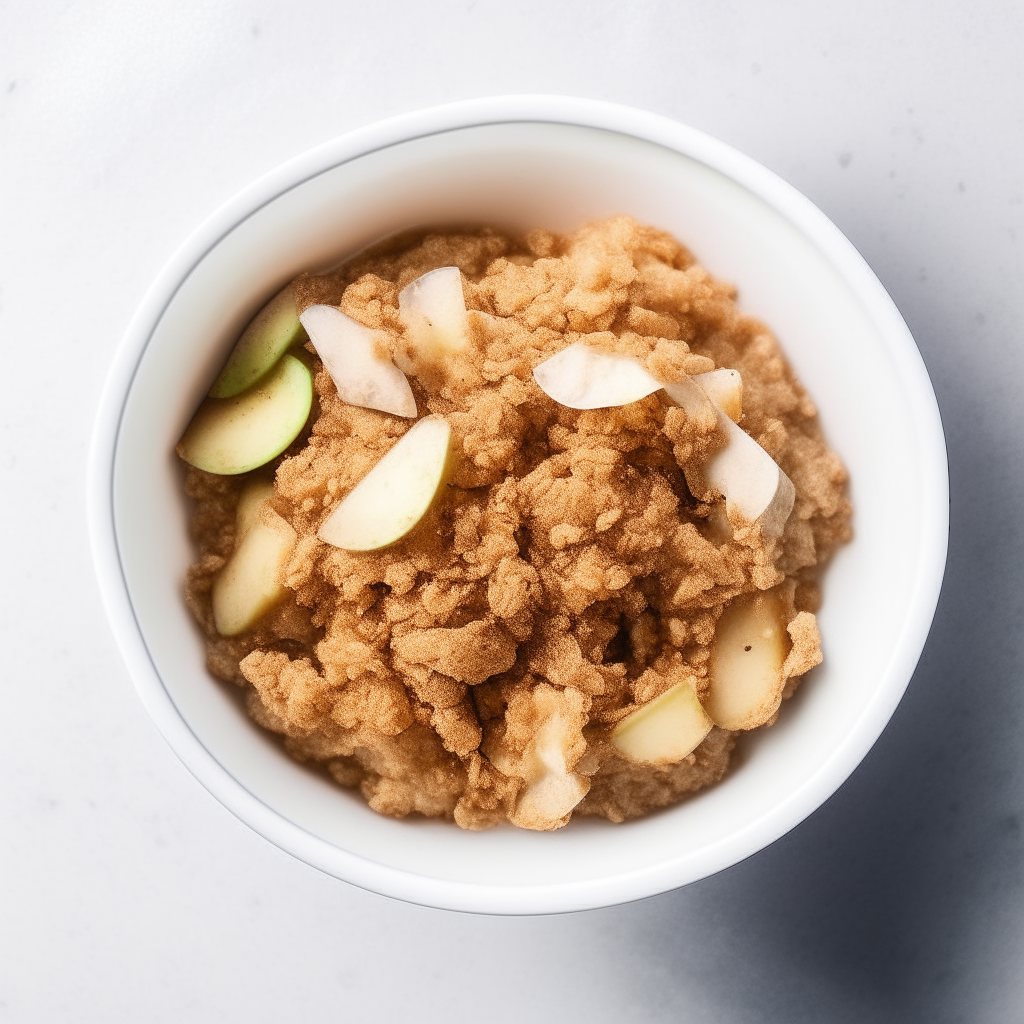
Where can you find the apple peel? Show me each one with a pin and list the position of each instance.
(274, 330)
(353, 356)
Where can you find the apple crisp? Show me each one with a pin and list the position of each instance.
(563, 629)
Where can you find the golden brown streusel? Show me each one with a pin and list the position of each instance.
(568, 568)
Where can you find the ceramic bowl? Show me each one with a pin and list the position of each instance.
(520, 163)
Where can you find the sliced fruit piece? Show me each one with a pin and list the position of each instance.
(751, 481)
(546, 803)
(433, 309)
(395, 495)
(357, 359)
(582, 377)
(234, 435)
(754, 487)
(247, 513)
(250, 584)
(665, 730)
(746, 664)
(274, 330)
(552, 791)
(724, 388)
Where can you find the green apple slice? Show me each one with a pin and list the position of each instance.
(274, 330)
(234, 435)
(250, 584)
(396, 494)
(581, 377)
(433, 309)
(746, 665)
(355, 357)
(665, 730)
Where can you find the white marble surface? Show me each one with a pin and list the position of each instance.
(128, 894)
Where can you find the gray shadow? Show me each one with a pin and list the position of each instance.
(889, 902)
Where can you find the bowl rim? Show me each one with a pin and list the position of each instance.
(563, 897)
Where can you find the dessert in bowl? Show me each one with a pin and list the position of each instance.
(516, 165)
(530, 554)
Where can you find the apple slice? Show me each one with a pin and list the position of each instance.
(665, 730)
(357, 360)
(273, 331)
(247, 512)
(746, 665)
(581, 377)
(234, 435)
(754, 487)
(396, 494)
(433, 309)
(546, 803)
(249, 585)
(751, 481)
(551, 790)
(724, 388)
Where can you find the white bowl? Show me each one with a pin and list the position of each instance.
(524, 162)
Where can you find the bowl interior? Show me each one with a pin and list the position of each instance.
(520, 176)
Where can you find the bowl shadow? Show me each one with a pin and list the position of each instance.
(886, 901)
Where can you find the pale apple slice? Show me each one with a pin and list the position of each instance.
(274, 330)
(551, 791)
(250, 584)
(433, 309)
(247, 513)
(357, 359)
(547, 802)
(746, 665)
(234, 435)
(665, 730)
(724, 388)
(754, 487)
(751, 480)
(396, 494)
(582, 377)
